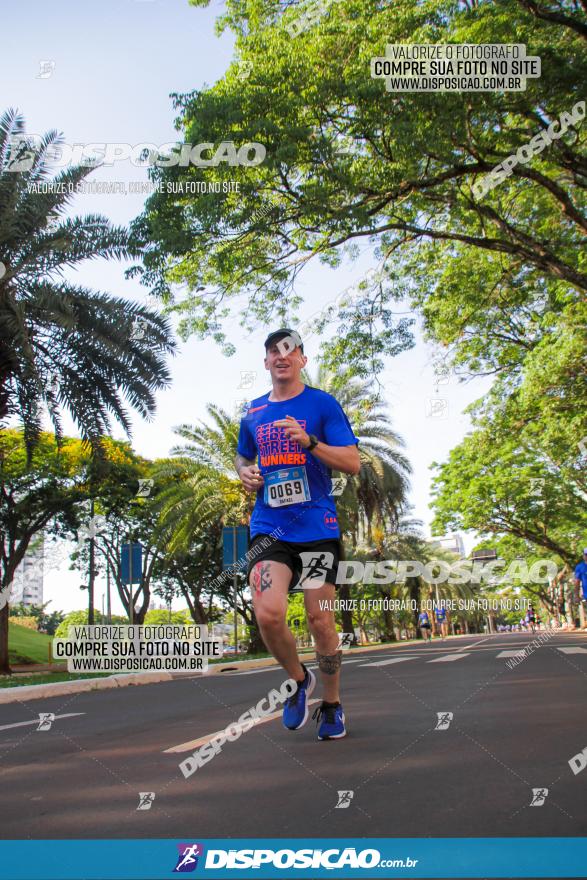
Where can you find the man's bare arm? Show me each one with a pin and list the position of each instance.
(341, 458)
(240, 462)
(249, 473)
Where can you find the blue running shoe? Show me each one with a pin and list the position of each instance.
(332, 718)
(295, 710)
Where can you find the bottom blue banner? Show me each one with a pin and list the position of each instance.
(448, 857)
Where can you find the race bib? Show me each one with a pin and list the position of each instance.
(286, 486)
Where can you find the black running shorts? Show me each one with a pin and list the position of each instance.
(315, 560)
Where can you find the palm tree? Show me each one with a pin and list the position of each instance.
(63, 345)
(201, 485)
(377, 495)
(372, 501)
(201, 494)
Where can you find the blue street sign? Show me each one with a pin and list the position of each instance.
(137, 563)
(234, 550)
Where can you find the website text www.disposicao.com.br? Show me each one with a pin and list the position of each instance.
(330, 859)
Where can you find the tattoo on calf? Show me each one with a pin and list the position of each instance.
(329, 663)
(262, 577)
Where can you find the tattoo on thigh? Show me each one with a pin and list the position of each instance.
(262, 577)
(329, 663)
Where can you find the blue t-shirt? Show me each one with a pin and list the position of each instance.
(423, 617)
(581, 575)
(296, 495)
(440, 614)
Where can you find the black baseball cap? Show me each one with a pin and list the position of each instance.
(282, 334)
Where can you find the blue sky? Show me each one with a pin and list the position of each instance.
(114, 66)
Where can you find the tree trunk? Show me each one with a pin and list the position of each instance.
(197, 610)
(256, 644)
(4, 664)
(142, 612)
(388, 623)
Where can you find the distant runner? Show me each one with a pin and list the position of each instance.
(441, 621)
(425, 625)
(289, 440)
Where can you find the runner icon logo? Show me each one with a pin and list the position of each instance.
(344, 799)
(144, 489)
(444, 719)
(146, 799)
(539, 795)
(315, 568)
(46, 719)
(345, 641)
(338, 484)
(187, 860)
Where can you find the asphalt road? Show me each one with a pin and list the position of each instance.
(513, 730)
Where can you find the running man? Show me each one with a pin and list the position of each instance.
(441, 621)
(425, 626)
(289, 440)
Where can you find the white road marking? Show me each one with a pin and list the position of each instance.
(512, 654)
(37, 720)
(573, 650)
(387, 662)
(194, 743)
(447, 658)
(480, 642)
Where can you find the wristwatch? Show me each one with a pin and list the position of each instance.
(313, 442)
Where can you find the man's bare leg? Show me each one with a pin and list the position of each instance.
(323, 628)
(269, 582)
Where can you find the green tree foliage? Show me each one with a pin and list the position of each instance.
(349, 163)
(63, 346)
(500, 480)
(46, 622)
(158, 616)
(46, 494)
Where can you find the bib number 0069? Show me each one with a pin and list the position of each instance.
(285, 490)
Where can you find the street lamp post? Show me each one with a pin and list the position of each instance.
(108, 600)
(91, 567)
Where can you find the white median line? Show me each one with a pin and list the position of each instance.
(38, 720)
(387, 662)
(202, 740)
(572, 650)
(448, 657)
(512, 654)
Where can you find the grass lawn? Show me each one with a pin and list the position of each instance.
(27, 645)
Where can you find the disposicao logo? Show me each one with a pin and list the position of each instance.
(187, 859)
